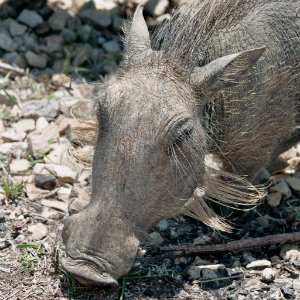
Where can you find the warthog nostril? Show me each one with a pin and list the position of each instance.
(86, 275)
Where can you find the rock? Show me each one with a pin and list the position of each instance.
(14, 58)
(48, 213)
(4, 244)
(54, 43)
(57, 205)
(39, 142)
(82, 55)
(162, 225)
(47, 182)
(156, 238)
(294, 163)
(207, 272)
(33, 192)
(80, 199)
(64, 194)
(58, 156)
(268, 275)
(2, 127)
(282, 188)
(16, 29)
(74, 23)
(276, 295)
(258, 264)
(35, 60)
(112, 46)
(117, 23)
(95, 18)
(292, 152)
(2, 217)
(106, 5)
(38, 231)
(287, 292)
(68, 36)
(19, 166)
(30, 18)
(13, 148)
(41, 123)
(156, 8)
(201, 240)
(26, 125)
(58, 20)
(7, 43)
(40, 108)
(290, 253)
(294, 183)
(64, 174)
(273, 199)
(11, 135)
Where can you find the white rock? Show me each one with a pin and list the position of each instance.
(41, 123)
(156, 238)
(156, 8)
(40, 142)
(48, 213)
(290, 252)
(32, 191)
(13, 148)
(2, 127)
(205, 272)
(26, 125)
(162, 225)
(268, 275)
(259, 264)
(58, 205)
(292, 152)
(64, 174)
(12, 135)
(64, 194)
(38, 231)
(19, 166)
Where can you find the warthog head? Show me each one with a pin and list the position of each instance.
(149, 156)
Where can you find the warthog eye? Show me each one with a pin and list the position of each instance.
(176, 143)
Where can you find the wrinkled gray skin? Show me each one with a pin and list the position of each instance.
(222, 81)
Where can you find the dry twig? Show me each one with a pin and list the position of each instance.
(233, 245)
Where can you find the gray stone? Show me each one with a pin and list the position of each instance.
(68, 35)
(294, 183)
(16, 29)
(54, 43)
(14, 58)
(162, 225)
(58, 20)
(268, 275)
(207, 272)
(38, 231)
(156, 238)
(42, 28)
(95, 18)
(64, 174)
(259, 264)
(201, 240)
(47, 182)
(282, 188)
(74, 23)
(7, 43)
(36, 60)
(273, 199)
(117, 23)
(30, 18)
(48, 213)
(112, 47)
(85, 33)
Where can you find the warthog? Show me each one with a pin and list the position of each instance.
(221, 77)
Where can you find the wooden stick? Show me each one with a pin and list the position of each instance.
(233, 245)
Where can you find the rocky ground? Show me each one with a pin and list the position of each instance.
(41, 183)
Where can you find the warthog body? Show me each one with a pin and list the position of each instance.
(220, 77)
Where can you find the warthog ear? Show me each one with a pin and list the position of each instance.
(138, 40)
(225, 71)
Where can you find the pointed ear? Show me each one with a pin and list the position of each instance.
(225, 71)
(138, 40)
